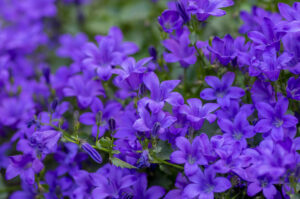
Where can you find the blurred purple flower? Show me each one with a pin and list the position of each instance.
(221, 90)
(170, 20)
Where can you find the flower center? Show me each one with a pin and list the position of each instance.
(237, 135)
(278, 122)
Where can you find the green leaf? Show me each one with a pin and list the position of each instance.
(104, 142)
(163, 150)
(120, 163)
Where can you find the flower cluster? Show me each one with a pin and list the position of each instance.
(107, 124)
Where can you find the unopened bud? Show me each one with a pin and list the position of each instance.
(93, 153)
(112, 124)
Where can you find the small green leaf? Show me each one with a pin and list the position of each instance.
(120, 163)
(163, 150)
(104, 142)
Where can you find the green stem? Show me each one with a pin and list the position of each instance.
(168, 163)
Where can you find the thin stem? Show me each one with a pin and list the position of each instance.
(168, 163)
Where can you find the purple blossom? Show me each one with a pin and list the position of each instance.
(130, 75)
(180, 184)
(170, 20)
(221, 90)
(223, 49)
(274, 119)
(188, 154)
(293, 88)
(197, 113)
(238, 130)
(85, 90)
(253, 20)
(267, 37)
(99, 116)
(140, 190)
(180, 51)
(290, 45)
(114, 182)
(24, 165)
(45, 141)
(262, 91)
(205, 184)
(205, 8)
(154, 123)
(160, 92)
(71, 46)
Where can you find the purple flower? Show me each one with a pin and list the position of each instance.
(93, 153)
(62, 185)
(290, 13)
(160, 92)
(123, 47)
(204, 184)
(154, 123)
(274, 119)
(24, 165)
(15, 110)
(205, 8)
(223, 49)
(238, 130)
(188, 154)
(230, 112)
(290, 45)
(196, 113)
(293, 88)
(130, 75)
(263, 183)
(100, 116)
(181, 6)
(268, 37)
(102, 58)
(180, 184)
(271, 64)
(180, 51)
(262, 91)
(45, 142)
(170, 20)
(221, 90)
(140, 190)
(253, 20)
(84, 89)
(71, 46)
(112, 182)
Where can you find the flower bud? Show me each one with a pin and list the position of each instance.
(112, 124)
(92, 152)
(155, 129)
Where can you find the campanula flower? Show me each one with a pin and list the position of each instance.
(140, 190)
(170, 20)
(274, 119)
(205, 184)
(24, 165)
(197, 113)
(180, 51)
(188, 154)
(85, 90)
(102, 113)
(205, 8)
(153, 123)
(267, 37)
(223, 49)
(221, 90)
(238, 130)
(160, 92)
(290, 45)
(293, 88)
(130, 75)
